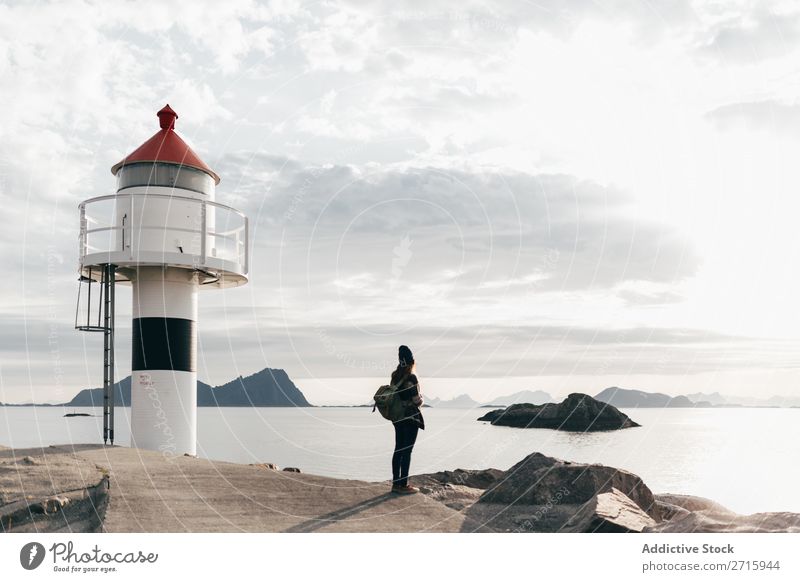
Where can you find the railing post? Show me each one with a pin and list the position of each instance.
(203, 233)
(82, 235)
(246, 245)
(132, 223)
(124, 222)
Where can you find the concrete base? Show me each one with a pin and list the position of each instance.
(57, 492)
(114, 489)
(150, 492)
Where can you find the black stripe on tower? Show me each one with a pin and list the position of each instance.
(164, 343)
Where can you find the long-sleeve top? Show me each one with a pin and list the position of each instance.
(407, 390)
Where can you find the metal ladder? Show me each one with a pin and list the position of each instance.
(105, 310)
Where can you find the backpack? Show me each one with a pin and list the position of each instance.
(388, 404)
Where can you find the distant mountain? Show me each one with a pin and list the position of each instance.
(462, 401)
(746, 401)
(714, 398)
(703, 399)
(781, 400)
(623, 398)
(465, 401)
(94, 396)
(269, 387)
(526, 396)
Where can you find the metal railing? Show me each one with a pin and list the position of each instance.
(123, 226)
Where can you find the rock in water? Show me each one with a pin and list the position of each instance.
(578, 412)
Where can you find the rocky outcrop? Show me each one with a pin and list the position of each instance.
(689, 514)
(458, 489)
(609, 512)
(578, 412)
(537, 479)
(475, 478)
(544, 494)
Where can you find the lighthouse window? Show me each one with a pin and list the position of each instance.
(168, 175)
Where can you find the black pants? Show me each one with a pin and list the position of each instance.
(405, 435)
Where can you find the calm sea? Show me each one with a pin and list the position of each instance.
(746, 459)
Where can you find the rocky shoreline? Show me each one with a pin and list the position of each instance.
(544, 494)
(90, 488)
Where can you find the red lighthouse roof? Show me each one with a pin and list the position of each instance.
(167, 147)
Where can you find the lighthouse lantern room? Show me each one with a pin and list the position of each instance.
(165, 235)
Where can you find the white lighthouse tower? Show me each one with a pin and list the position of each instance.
(164, 234)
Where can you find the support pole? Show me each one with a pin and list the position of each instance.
(112, 272)
(104, 285)
(108, 278)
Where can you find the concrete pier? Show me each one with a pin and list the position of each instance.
(120, 489)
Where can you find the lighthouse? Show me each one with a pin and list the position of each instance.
(164, 234)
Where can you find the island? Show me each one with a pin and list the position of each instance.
(626, 398)
(577, 412)
(268, 387)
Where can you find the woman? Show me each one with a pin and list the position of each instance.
(405, 429)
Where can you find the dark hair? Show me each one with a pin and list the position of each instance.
(402, 371)
(404, 356)
(405, 366)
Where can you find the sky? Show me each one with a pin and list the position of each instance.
(556, 195)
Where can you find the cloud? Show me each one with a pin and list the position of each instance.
(431, 168)
(753, 34)
(556, 232)
(769, 115)
(495, 351)
(502, 18)
(237, 340)
(656, 298)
